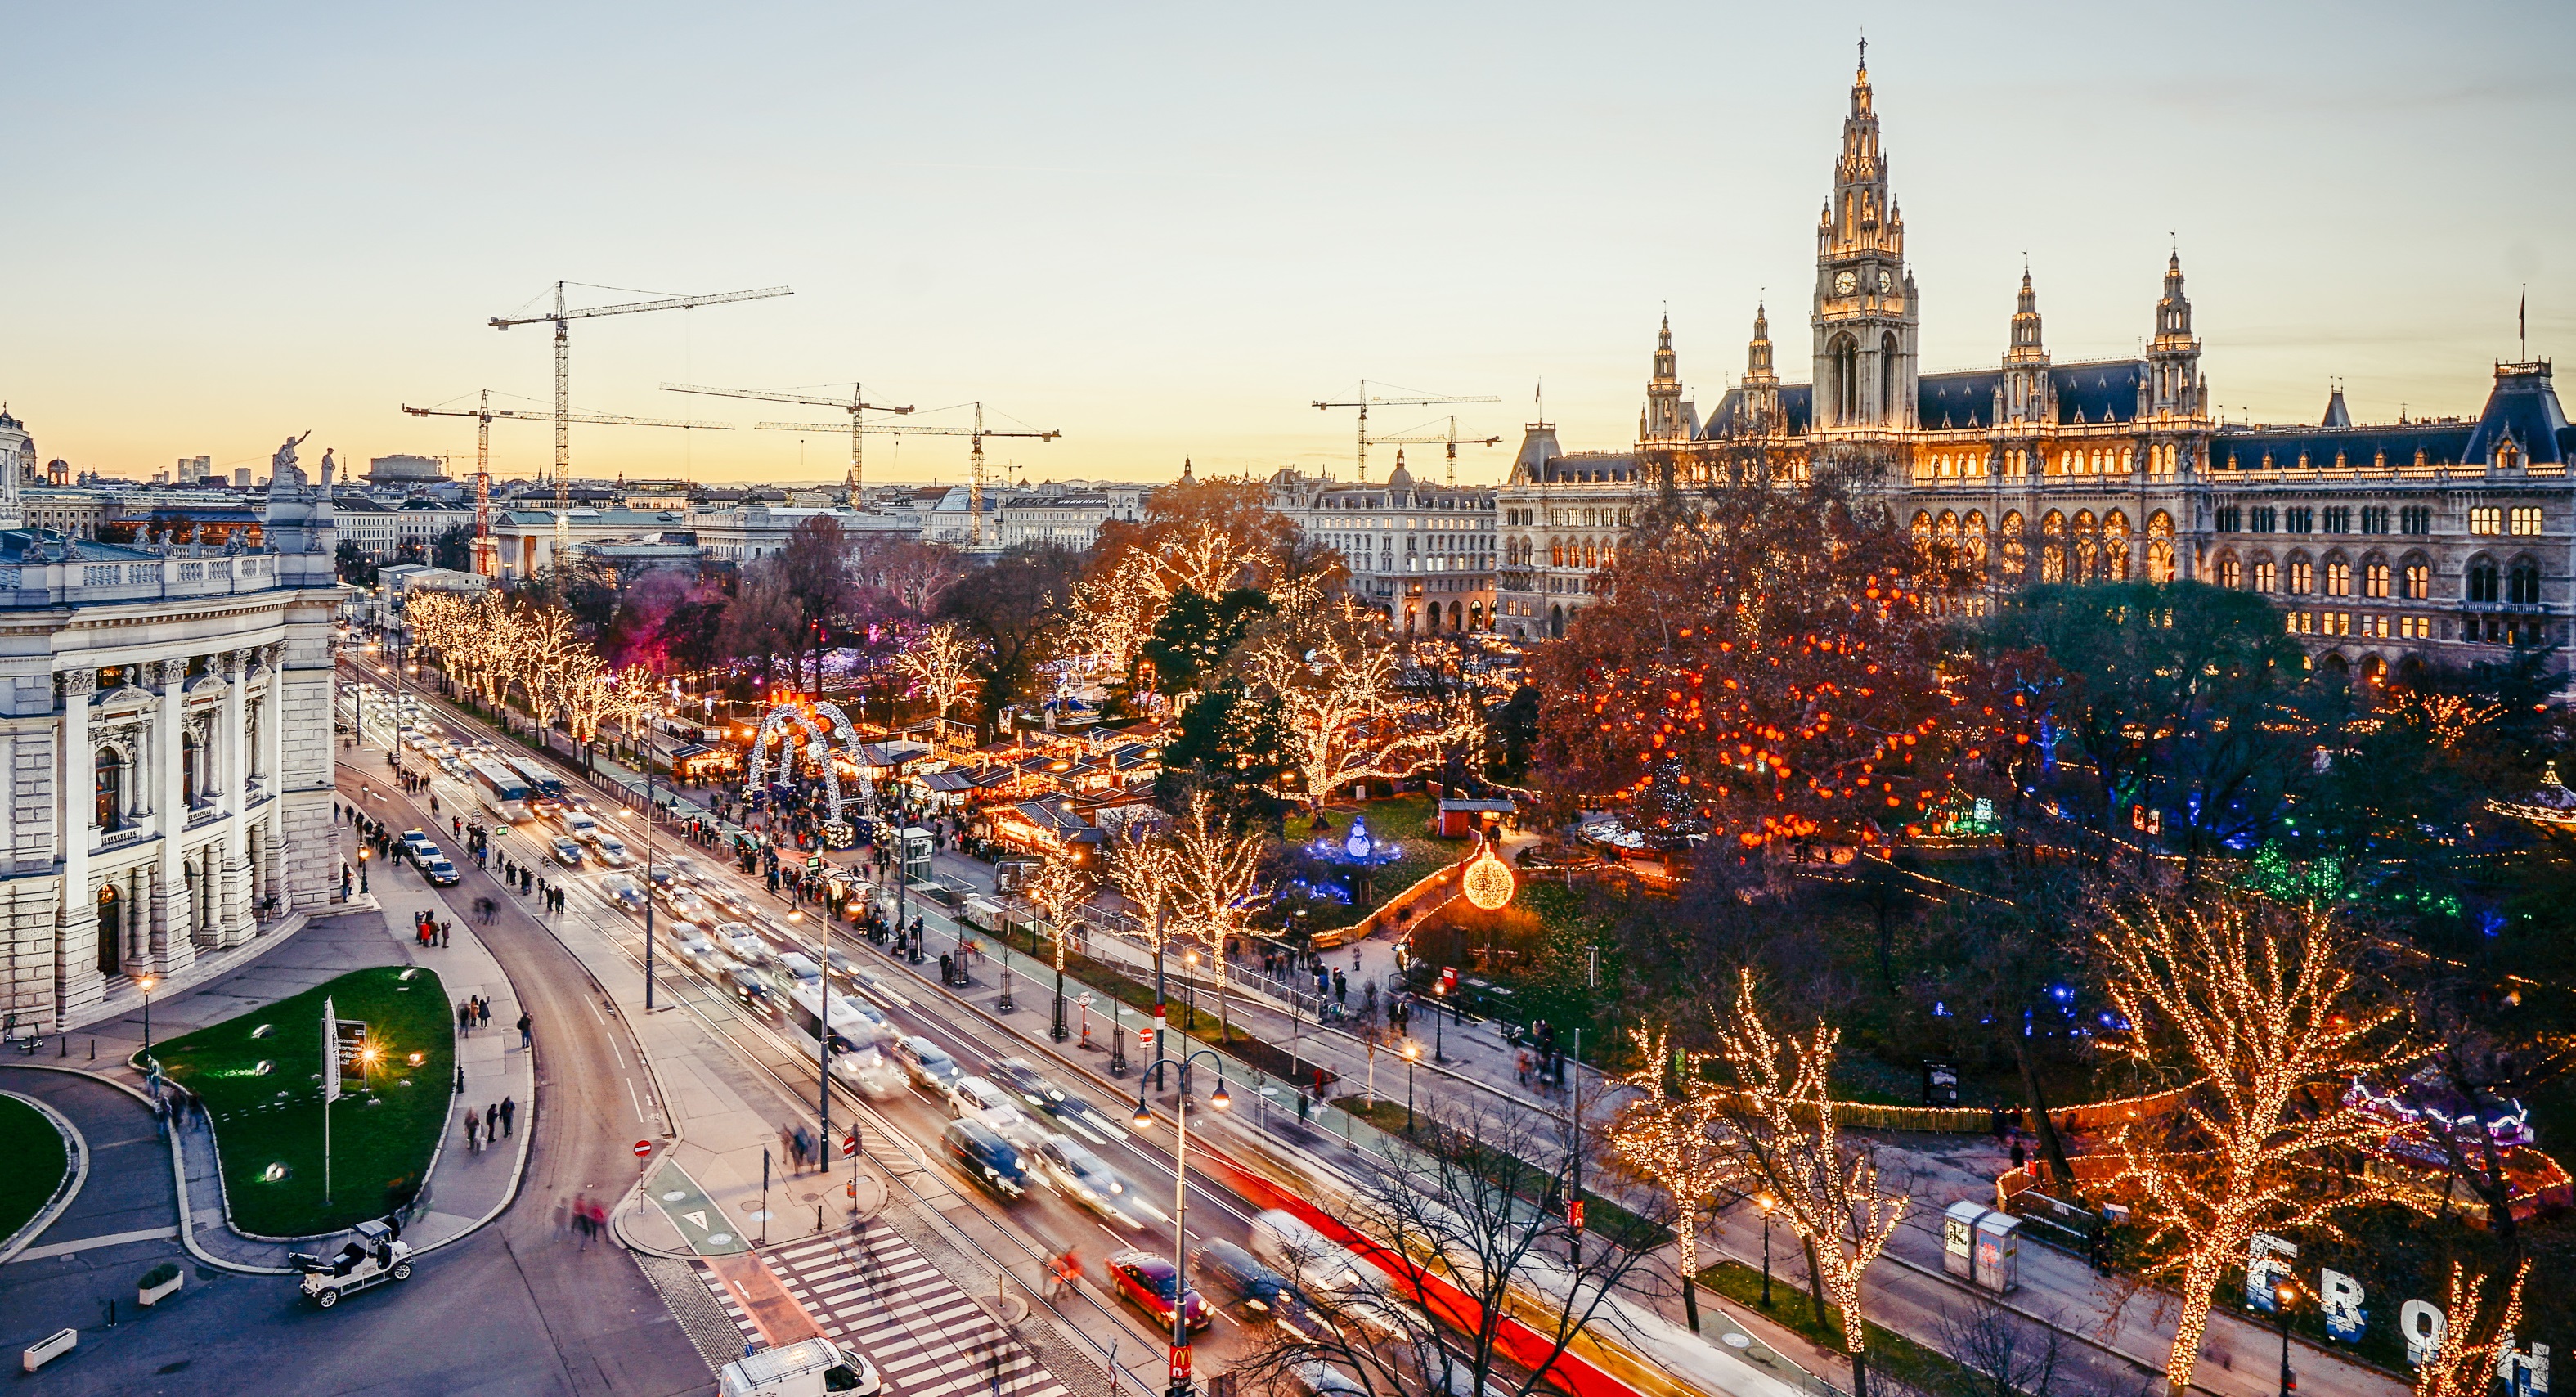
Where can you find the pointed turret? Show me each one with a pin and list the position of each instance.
(1760, 405)
(2337, 415)
(2027, 393)
(1662, 418)
(2174, 384)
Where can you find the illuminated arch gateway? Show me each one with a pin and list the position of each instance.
(821, 722)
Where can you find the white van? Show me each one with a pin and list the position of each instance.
(810, 1369)
(579, 825)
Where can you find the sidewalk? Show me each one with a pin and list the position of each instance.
(463, 1190)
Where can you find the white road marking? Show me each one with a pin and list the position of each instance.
(640, 1113)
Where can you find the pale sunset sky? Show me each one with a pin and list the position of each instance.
(1164, 230)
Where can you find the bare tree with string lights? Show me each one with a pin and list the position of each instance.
(1666, 1137)
(2470, 1355)
(1781, 1131)
(2263, 1005)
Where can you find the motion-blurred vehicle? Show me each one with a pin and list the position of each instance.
(812, 1368)
(1150, 1284)
(986, 1157)
(1080, 1175)
(565, 850)
(928, 1067)
(1264, 1292)
(622, 891)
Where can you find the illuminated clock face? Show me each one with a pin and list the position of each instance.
(1844, 283)
(1886, 279)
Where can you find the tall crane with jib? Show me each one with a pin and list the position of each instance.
(1364, 402)
(487, 551)
(855, 405)
(561, 317)
(975, 475)
(1450, 439)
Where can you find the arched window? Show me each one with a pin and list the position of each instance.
(1887, 377)
(2266, 576)
(1556, 552)
(2482, 579)
(2417, 580)
(2230, 573)
(111, 788)
(2303, 575)
(1845, 355)
(2374, 579)
(2522, 587)
(2338, 577)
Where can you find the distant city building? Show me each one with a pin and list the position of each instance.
(2387, 547)
(194, 470)
(1420, 554)
(404, 471)
(527, 538)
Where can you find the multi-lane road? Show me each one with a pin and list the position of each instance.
(901, 1131)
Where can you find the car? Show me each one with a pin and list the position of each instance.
(799, 968)
(840, 967)
(746, 986)
(869, 1072)
(873, 1025)
(566, 852)
(665, 879)
(622, 891)
(1023, 1081)
(1080, 1175)
(686, 902)
(811, 1368)
(736, 903)
(975, 1098)
(439, 872)
(1328, 1273)
(928, 1067)
(746, 943)
(1149, 1283)
(986, 1157)
(1262, 1291)
(580, 826)
(377, 1255)
(611, 852)
(413, 837)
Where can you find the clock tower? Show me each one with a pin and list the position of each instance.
(1865, 313)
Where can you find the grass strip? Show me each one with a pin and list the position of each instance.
(37, 1161)
(261, 1076)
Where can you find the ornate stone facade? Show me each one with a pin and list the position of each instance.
(165, 721)
(2440, 541)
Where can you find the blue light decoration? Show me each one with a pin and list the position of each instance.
(1358, 849)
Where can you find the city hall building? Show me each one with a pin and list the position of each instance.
(2443, 541)
(165, 721)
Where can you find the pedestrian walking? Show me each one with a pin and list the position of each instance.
(465, 1018)
(581, 1218)
(527, 1031)
(483, 1011)
(473, 1127)
(492, 1121)
(509, 1116)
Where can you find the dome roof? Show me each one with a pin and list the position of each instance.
(8, 421)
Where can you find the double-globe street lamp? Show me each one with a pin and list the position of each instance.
(1180, 1338)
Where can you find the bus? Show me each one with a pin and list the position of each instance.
(546, 794)
(504, 790)
(859, 1031)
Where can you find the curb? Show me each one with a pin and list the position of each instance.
(76, 1148)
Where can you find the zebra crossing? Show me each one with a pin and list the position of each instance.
(874, 1294)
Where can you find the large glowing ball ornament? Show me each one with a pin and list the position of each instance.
(1489, 881)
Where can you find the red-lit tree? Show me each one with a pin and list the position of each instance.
(1771, 654)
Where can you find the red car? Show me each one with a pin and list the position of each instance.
(1148, 1282)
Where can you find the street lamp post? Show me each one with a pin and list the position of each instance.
(1766, 1201)
(147, 1024)
(1180, 1338)
(1439, 1040)
(2285, 1291)
(1412, 1055)
(1058, 932)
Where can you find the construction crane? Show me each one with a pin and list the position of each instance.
(561, 317)
(1364, 402)
(487, 560)
(856, 404)
(1450, 439)
(975, 476)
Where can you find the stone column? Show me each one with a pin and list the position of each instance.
(272, 716)
(233, 915)
(172, 947)
(78, 982)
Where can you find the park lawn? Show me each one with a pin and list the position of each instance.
(388, 1120)
(1405, 819)
(36, 1158)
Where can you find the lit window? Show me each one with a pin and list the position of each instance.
(2524, 519)
(2374, 580)
(2486, 519)
(2419, 582)
(2265, 578)
(2231, 574)
(2338, 578)
(2303, 575)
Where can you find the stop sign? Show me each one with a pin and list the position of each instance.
(643, 1149)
